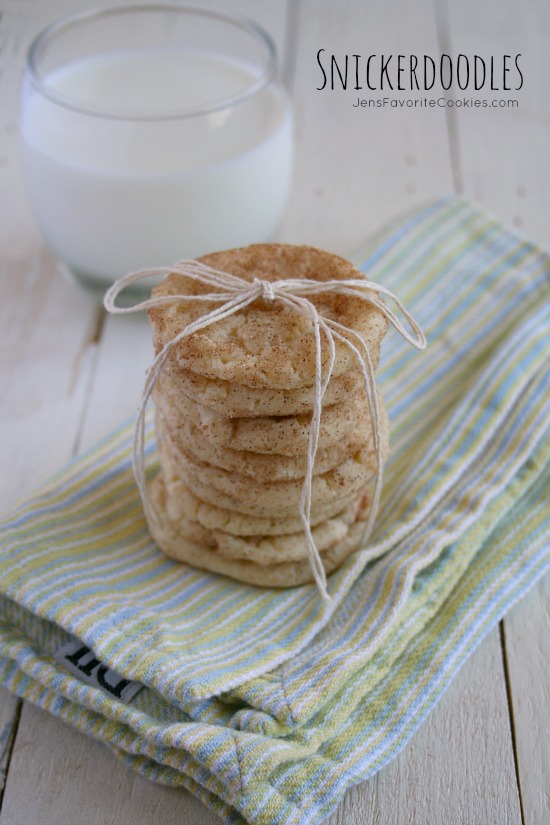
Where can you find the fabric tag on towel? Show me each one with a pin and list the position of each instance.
(81, 661)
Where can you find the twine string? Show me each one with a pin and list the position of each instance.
(233, 294)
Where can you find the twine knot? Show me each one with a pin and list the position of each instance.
(266, 289)
(234, 294)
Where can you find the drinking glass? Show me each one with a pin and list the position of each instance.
(151, 134)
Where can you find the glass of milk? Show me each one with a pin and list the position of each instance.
(151, 134)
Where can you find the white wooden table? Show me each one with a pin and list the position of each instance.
(69, 375)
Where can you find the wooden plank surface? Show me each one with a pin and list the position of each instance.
(502, 152)
(48, 328)
(358, 168)
(527, 639)
(10, 708)
(512, 179)
(355, 170)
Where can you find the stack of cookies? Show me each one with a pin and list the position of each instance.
(233, 409)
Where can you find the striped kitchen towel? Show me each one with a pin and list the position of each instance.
(268, 705)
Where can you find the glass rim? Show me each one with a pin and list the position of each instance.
(39, 82)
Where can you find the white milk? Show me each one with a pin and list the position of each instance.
(115, 194)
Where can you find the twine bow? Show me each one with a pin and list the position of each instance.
(234, 294)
